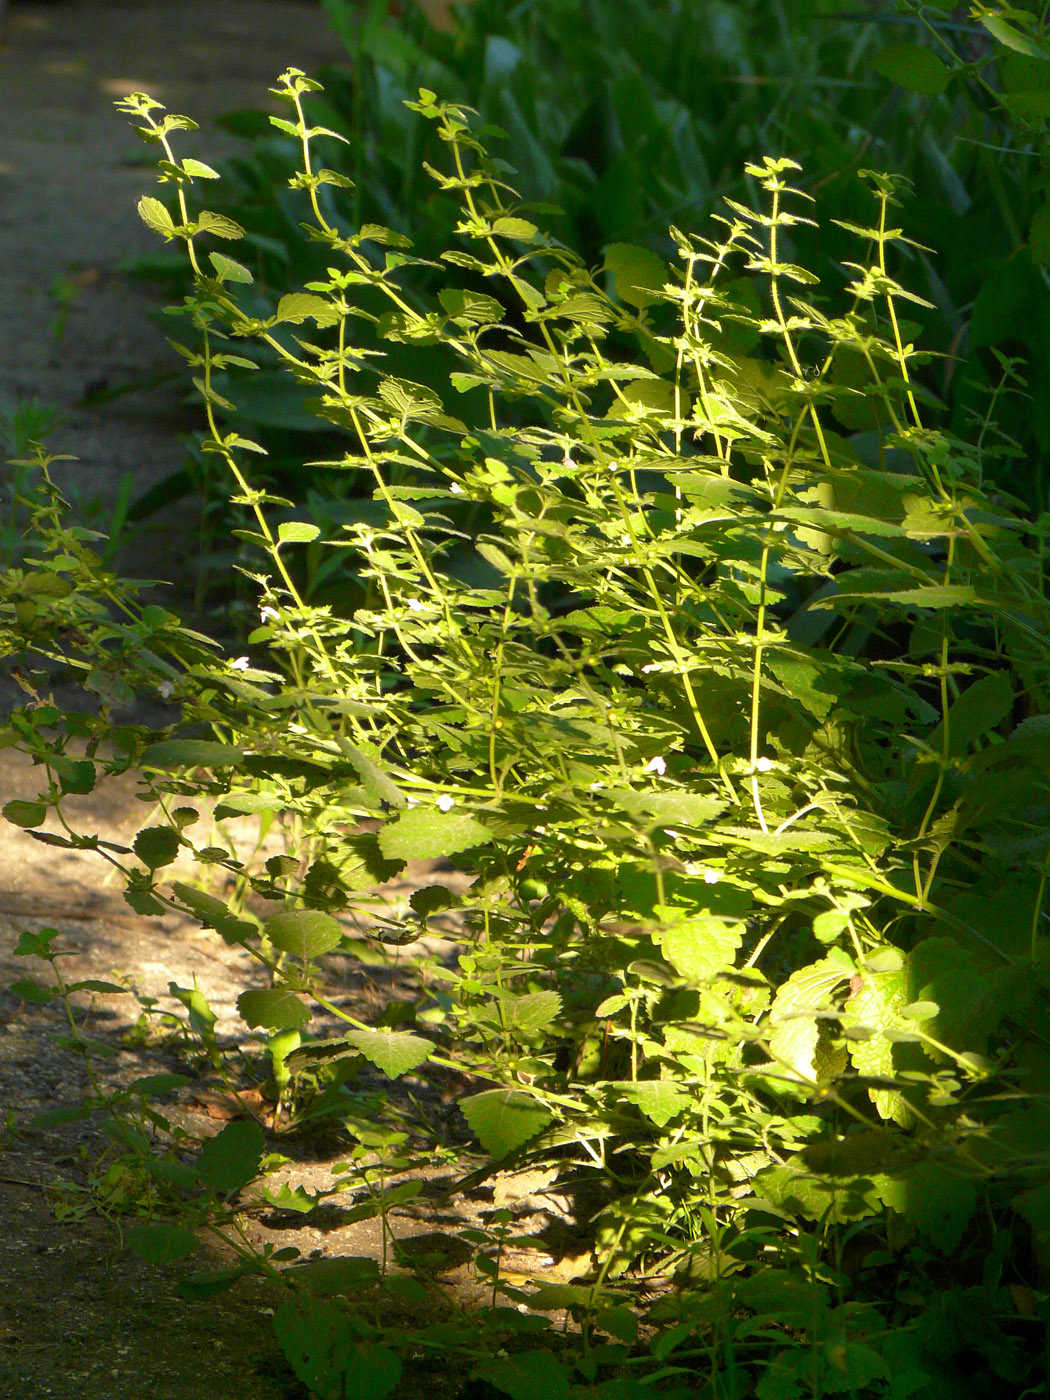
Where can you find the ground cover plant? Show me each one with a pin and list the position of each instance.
(632, 118)
(733, 712)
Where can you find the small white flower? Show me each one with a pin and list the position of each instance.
(652, 666)
(656, 765)
(763, 765)
(710, 877)
(411, 802)
(268, 614)
(567, 461)
(456, 489)
(445, 803)
(241, 664)
(414, 605)
(165, 690)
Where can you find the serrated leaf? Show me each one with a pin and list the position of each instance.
(937, 1200)
(980, 709)
(156, 846)
(297, 532)
(191, 753)
(198, 169)
(877, 1005)
(492, 554)
(913, 67)
(219, 225)
(161, 1243)
(155, 216)
(323, 1350)
(425, 833)
(521, 229)
(276, 1009)
(659, 1099)
(301, 306)
(207, 907)
(231, 1159)
(305, 933)
(227, 270)
(430, 899)
(378, 786)
(292, 1198)
(527, 1375)
(393, 1052)
(504, 1119)
(530, 1011)
(666, 808)
(1012, 37)
(639, 274)
(934, 595)
(794, 1014)
(700, 946)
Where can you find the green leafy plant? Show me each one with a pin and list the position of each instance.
(731, 705)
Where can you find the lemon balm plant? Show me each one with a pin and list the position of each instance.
(725, 683)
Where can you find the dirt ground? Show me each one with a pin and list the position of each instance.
(81, 1318)
(71, 173)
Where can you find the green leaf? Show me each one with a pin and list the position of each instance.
(321, 1348)
(198, 170)
(302, 306)
(220, 226)
(530, 1012)
(77, 775)
(206, 907)
(227, 270)
(393, 1052)
(700, 946)
(877, 1006)
(527, 1375)
(665, 808)
(297, 532)
(378, 786)
(659, 1099)
(504, 1119)
(153, 213)
(276, 1009)
(305, 933)
(1012, 37)
(520, 229)
(981, 708)
(161, 1243)
(640, 275)
(231, 1159)
(492, 554)
(794, 1014)
(424, 833)
(937, 1200)
(1039, 229)
(934, 595)
(25, 814)
(913, 67)
(95, 984)
(1034, 1205)
(430, 899)
(794, 1301)
(199, 1287)
(173, 754)
(156, 846)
